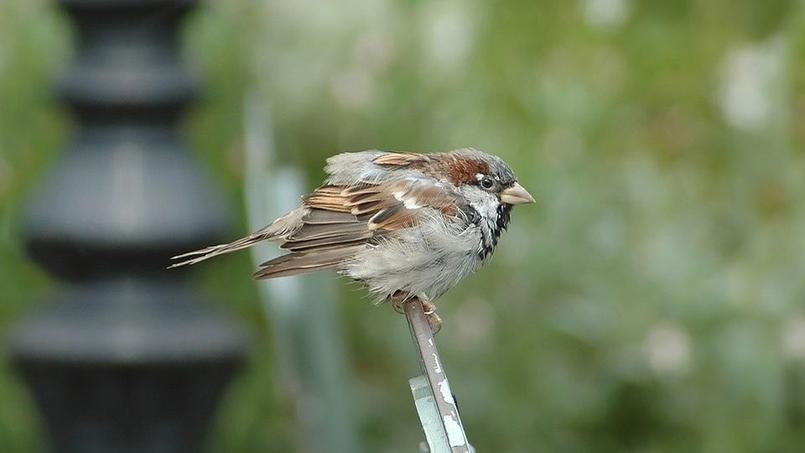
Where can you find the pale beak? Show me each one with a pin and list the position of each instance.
(516, 195)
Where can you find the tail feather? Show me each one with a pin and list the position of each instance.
(206, 253)
(278, 229)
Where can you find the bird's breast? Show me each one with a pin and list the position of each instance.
(429, 258)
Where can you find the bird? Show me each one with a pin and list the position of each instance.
(405, 225)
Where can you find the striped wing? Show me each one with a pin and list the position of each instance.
(340, 221)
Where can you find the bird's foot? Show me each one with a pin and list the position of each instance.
(434, 320)
(400, 298)
(428, 307)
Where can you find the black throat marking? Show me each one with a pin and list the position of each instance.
(490, 236)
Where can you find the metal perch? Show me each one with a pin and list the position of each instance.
(435, 402)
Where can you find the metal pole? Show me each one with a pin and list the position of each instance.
(448, 423)
(126, 357)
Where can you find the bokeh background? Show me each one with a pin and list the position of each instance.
(652, 300)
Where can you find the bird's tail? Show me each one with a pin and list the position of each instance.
(206, 253)
(278, 229)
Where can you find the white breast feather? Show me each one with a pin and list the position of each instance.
(427, 259)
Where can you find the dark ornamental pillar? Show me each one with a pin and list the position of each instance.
(125, 358)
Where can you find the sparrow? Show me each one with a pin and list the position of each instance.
(405, 225)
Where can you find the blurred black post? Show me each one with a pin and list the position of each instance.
(125, 359)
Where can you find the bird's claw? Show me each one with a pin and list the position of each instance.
(399, 299)
(428, 307)
(435, 322)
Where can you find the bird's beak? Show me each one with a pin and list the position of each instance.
(516, 195)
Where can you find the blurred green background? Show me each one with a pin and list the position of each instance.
(651, 301)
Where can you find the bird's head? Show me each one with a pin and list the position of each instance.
(486, 181)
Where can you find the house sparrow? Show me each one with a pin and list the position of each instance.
(406, 225)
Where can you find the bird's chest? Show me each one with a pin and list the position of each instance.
(427, 259)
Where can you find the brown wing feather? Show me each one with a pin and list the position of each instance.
(322, 217)
(319, 231)
(342, 220)
(298, 263)
(323, 243)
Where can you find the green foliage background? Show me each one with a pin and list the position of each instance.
(651, 301)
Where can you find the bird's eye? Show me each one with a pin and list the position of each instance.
(487, 183)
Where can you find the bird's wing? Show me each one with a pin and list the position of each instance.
(341, 220)
(368, 193)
